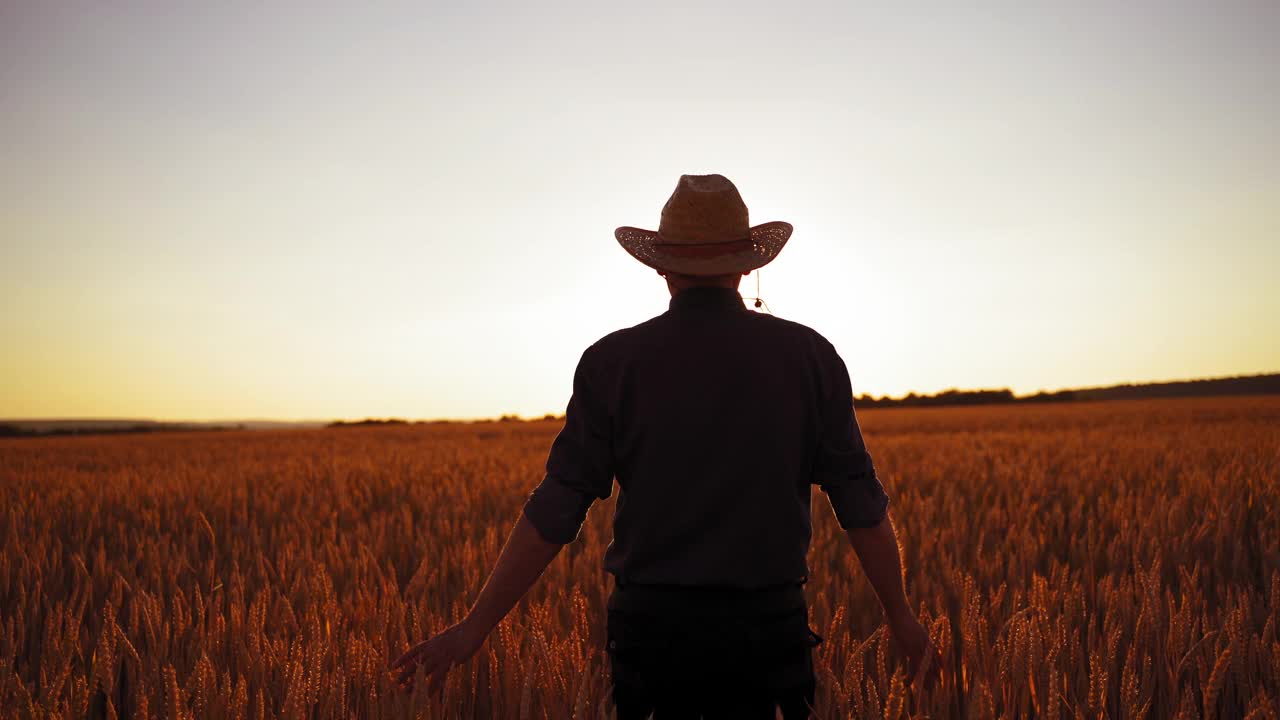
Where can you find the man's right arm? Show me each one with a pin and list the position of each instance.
(877, 550)
(845, 471)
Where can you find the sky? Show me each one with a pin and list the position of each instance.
(323, 210)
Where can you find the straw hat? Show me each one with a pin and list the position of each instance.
(704, 231)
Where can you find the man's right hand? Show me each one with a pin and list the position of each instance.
(920, 651)
(437, 655)
(877, 549)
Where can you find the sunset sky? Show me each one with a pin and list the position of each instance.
(218, 210)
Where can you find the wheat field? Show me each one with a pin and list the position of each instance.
(1092, 560)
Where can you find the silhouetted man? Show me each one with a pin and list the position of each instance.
(715, 421)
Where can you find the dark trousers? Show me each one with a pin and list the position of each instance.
(690, 653)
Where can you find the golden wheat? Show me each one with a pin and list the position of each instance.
(1081, 560)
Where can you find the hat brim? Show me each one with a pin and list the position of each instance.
(766, 242)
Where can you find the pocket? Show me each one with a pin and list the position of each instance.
(781, 634)
(783, 651)
(627, 633)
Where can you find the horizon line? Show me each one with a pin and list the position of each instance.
(479, 418)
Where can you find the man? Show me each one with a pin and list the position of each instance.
(715, 421)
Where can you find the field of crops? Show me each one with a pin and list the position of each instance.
(1117, 560)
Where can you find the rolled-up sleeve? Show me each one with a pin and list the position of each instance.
(579, 467)
(843, 467)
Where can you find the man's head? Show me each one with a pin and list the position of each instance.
(677, 281)
(704, 233)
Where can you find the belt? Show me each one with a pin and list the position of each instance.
(694, 600)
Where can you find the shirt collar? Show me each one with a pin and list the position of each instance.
(715, 298)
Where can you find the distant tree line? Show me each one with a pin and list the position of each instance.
(963, 397)
(378, 422)
(1242, 385)
(367, 422)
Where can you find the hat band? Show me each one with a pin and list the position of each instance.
(704, 250)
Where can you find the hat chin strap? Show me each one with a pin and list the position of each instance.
(759, 301)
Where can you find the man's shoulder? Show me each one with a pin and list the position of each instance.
(798, 332)
(622, 338)
(784, 325)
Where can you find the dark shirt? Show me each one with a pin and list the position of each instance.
(715, 420)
